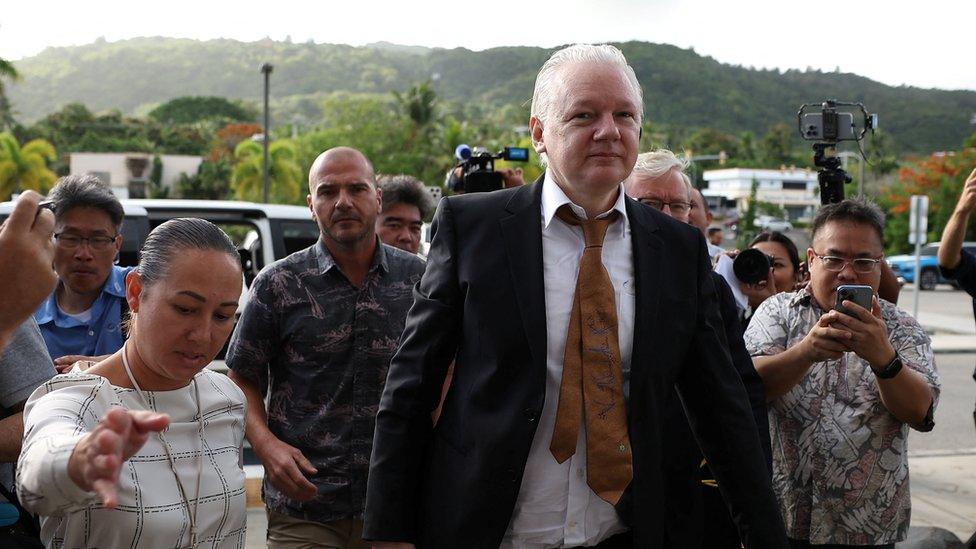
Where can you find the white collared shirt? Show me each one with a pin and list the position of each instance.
(555, 506)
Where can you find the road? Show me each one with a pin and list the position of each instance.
(954, 429)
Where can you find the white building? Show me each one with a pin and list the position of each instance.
(128, 173)
(794, 190)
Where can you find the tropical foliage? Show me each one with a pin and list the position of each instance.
(7, 71)
(25, 167)
(191, 110)
(939, 176)
(286, 178)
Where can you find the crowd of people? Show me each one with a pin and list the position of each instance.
(569, 366)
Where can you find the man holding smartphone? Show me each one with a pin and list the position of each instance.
(843, 389)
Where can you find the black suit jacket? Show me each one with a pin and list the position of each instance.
(687, 512)
(481, 303)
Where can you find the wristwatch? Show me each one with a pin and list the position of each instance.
(891, 370)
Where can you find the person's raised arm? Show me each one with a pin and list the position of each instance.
(950, 248)
(26, 259)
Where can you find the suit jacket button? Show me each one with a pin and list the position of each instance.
(530, 415)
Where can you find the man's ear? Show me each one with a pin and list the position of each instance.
(133, 290)
(535, 130)
(811, 255)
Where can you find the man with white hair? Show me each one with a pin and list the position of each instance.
(571, 311)
(693, 499)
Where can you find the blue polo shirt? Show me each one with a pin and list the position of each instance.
(65, 335)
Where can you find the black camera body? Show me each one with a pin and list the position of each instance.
(751, 266)
(829, 127)
(478, 168)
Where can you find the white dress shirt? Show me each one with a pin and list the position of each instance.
(555, 506)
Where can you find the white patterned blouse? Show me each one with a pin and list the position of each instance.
(151, 511)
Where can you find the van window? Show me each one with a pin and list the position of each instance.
(134, 232)
(298, 235)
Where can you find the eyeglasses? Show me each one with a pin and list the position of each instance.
(72, 241)
(677, 207)
(861, 265)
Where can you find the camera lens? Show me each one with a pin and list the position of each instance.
(751, 266)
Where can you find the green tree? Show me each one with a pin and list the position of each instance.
(882, 154)
(285, 172)
(211, 182)
(25, 167)
(776, 147)
(7, 71)
(190, 110)
(747, 223)
(419, 104)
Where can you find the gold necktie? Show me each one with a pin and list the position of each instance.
(592, 382)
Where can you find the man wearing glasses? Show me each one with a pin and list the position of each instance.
(843, 390)
(81, 319)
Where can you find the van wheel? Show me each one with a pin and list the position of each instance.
(928, 279)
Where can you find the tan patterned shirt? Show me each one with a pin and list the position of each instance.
(840, 464)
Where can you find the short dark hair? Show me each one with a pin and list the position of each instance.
(175, 236)
(73, 191)
(713, 230)
(782, 239)
(857, 210)
(405, 189)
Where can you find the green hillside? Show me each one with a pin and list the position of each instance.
(682, 88)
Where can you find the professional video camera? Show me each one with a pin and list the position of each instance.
(829, 127)
(477, 165)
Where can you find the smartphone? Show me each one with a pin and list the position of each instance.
(816, 127)
(855, 293)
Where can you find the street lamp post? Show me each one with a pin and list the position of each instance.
(266, 70)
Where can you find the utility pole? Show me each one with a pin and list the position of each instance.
(266, 70)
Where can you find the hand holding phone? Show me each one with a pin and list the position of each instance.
(856, 293)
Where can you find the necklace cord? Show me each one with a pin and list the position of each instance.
(169, 457)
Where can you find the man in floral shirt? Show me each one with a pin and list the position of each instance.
(318, 332)
(843, 390)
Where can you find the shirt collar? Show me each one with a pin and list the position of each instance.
(327, 262)
(114, 285)
(802, 297)
(553, 197)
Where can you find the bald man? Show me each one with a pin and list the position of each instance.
(317, 335)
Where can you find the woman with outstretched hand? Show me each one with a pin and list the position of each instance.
(144, 448)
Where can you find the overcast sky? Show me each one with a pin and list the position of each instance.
(927, 44)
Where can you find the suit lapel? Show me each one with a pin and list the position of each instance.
(648, 262)
(522, 235)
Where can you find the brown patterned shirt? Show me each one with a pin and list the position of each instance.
(840, 464)
(322, 347)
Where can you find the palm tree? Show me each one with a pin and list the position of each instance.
(25, 168)
(7, 70)
(286, 175)
(419, 104)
